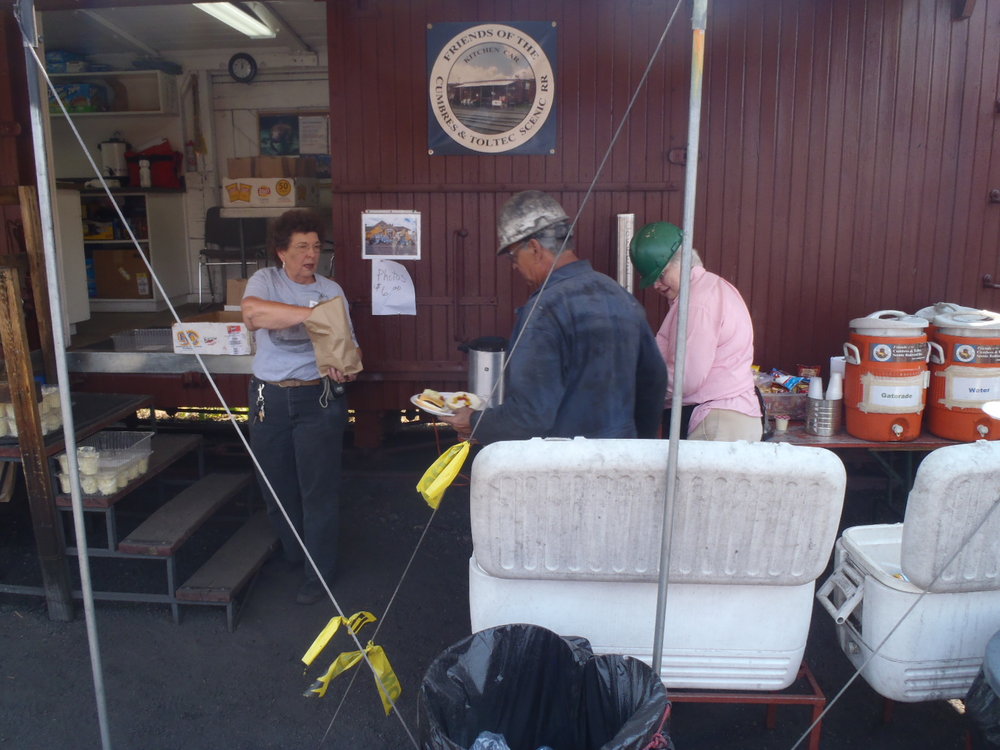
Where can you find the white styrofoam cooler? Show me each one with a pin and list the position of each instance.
(916, 603)
(566, 535)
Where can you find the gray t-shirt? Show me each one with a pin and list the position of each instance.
(287, 353)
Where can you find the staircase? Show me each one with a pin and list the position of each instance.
(226, 576)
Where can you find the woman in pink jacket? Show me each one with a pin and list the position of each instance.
(719, 397)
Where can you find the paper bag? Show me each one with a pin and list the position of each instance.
(330, 331)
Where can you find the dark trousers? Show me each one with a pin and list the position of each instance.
(298, 445)
(686, 412)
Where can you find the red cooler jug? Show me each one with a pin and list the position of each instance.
(965, 374)
(885, 376)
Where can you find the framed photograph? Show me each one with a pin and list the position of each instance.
(390, 234)
(279, 135)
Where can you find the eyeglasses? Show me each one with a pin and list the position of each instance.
(512, 250)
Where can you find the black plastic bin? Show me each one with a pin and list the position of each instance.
(983, 699)
(539, 689)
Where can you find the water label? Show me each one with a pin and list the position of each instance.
(974, 389)
(983, 354)
(897, 352)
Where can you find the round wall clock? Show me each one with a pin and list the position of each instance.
(242, 67)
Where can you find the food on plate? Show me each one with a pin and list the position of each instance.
(432, 398)
(459, 399)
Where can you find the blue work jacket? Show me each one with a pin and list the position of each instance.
(586, 364)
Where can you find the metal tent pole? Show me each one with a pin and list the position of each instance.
(26, 17)
(698, 19)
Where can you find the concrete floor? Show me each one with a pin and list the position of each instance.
(196, 685)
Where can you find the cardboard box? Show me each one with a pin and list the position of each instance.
(274, 166)
(213, 333)
(269, 192)
(234, 294)
(121, 274)
(240, 167)
(79, 97)
(243, 167)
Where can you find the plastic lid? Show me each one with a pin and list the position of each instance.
(940, 308)
(890, 319)
(975, 320)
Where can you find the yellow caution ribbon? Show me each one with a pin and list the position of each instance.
(386, 681)
(442, 473)
(354, 623)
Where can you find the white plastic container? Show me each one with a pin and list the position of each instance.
(566, 535)
(943, 561)
(937, 649)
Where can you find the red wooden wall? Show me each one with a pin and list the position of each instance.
(847, 156)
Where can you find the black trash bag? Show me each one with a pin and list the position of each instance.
(537, 688)
(982, 703)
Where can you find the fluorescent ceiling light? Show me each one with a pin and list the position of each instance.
(240, 20)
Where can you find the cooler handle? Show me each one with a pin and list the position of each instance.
(889, 314)
(851, 354)
(851, 586)
(935, 353)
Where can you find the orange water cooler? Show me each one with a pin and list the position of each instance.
(965, 374)
(885, 376)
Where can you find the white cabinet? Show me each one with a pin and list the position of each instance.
(118, 278)
(69, 251)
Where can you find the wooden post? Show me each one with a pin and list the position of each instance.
(41, 500)
(35, 248)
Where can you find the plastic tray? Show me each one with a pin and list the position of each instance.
(114, 450)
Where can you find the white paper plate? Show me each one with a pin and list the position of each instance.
(445, 411)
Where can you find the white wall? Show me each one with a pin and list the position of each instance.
(231, 130)
(228, 122)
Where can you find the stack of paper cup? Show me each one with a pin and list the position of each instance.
(835, 390)
(816, 387)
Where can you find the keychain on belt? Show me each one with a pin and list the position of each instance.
(260, 402)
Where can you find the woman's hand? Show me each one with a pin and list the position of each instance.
(339, 376)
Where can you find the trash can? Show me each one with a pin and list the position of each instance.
(983, 699)
(538, 689)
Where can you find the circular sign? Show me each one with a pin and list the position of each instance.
(492, 88)
(882, 353)
(965, 353)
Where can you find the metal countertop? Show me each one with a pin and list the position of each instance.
(155, 363)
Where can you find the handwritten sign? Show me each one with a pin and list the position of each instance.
(392, 289)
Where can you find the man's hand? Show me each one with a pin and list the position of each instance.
(462, 422)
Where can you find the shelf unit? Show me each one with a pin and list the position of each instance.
(118, 279)
(127, 92)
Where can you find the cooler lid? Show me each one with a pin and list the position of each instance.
(894, 320)
(969, 323)
(940, 308)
